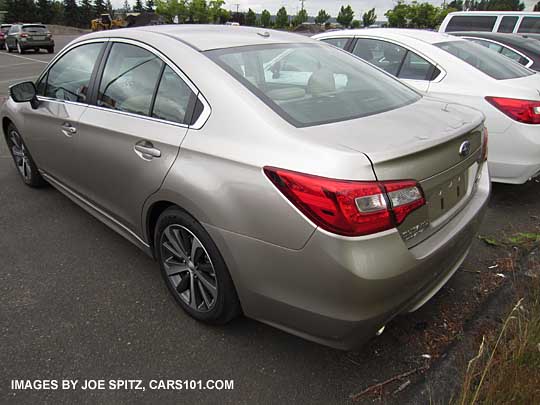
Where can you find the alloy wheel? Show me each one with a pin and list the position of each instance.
(188, 268)
(19, 49)
(20, 155)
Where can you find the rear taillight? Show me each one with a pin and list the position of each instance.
(526, 111)
(49, 35)
(485, 137)
(24, 35)
(345, 207)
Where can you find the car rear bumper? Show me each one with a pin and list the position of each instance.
(339, 291)
(514, 155)
(36, 44)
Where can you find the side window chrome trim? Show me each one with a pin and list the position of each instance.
(142, 117)
(205, 114)
(441, 75)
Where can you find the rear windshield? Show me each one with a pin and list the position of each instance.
(34, 29)
(487, 61)
(313, 84)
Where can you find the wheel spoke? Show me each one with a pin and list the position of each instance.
(174, 246)
(196, 247)
(174, 269)
(209, 286)
(207, 300)
(192, 298)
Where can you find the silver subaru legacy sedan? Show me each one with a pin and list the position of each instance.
(268, 173)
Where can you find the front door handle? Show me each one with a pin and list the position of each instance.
(146, 150)
(68, 129)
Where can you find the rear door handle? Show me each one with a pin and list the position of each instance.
(68, 129)
(146, 150)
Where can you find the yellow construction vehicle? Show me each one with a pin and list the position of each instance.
(105, 22)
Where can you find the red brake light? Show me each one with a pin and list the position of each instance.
(526, 111)
(349, 208)
(24, 35)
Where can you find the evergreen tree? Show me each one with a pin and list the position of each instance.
(345, 16)
(322, 17)
(150, 6)
(99, 7)
(266, 19)
(138, 7)
(44, 11)
(251, 18)
(87, 13)
(71, 13)
(282, 18)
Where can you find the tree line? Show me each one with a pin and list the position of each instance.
(78, 13)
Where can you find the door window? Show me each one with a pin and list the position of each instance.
(69, 77)
(530, 25)
(488, 44)
(395, 59)
(507, 24)
(385, 55)
(129, 79)
(172, 98)
(339, 42)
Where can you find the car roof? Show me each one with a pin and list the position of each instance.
(430, 37)
(527, 13)
(205, 37)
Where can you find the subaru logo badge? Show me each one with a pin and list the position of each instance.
(465, 149)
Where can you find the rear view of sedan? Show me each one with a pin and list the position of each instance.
(461, 71)
(307, 189)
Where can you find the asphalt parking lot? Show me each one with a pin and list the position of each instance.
(78, 301)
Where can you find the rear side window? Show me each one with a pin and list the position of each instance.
(471, 23)
(339, 42)
(69, 77)
(313, 84)
(507, 24)
(491, 63)
(488, 44)
(509, 53)
(172, 98)
(530, 25)
(129, 79)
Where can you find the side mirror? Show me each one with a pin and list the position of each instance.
(24, 92)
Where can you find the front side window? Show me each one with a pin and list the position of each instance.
(129, 79)
(313, 84)
(69, 77)
(172, 98)
(491, 63)
(471, 23)
(339, 42)
(385, 55)
(395, 59)
(507, 24)
(530, 25)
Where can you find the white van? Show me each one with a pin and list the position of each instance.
(495, 21)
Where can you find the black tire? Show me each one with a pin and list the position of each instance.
(226, 305)
(31, 176)
(50, 49)
(8, 48)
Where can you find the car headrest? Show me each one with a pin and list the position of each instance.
(321, 81)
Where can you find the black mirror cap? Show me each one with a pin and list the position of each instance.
(24, 92)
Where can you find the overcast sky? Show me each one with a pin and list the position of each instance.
(313, 6)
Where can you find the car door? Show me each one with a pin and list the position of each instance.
(133, 133)
(63, 94)
(11, 36)
(398, 61)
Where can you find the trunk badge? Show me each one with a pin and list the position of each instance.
(465, 149)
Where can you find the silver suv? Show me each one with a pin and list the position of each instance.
(267, 173)
(22, 37)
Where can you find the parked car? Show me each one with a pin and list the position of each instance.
(492, 21)
(22, 37)
(461, 71)
(523, 50)
(314, 193)
(4, 28)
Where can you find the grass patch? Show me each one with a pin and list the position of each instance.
(521, 239)
(506, 368)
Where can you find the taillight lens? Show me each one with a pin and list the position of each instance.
(24, 35)
(49, 35)
(485, 137)
(526, 111)
(349, 208)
